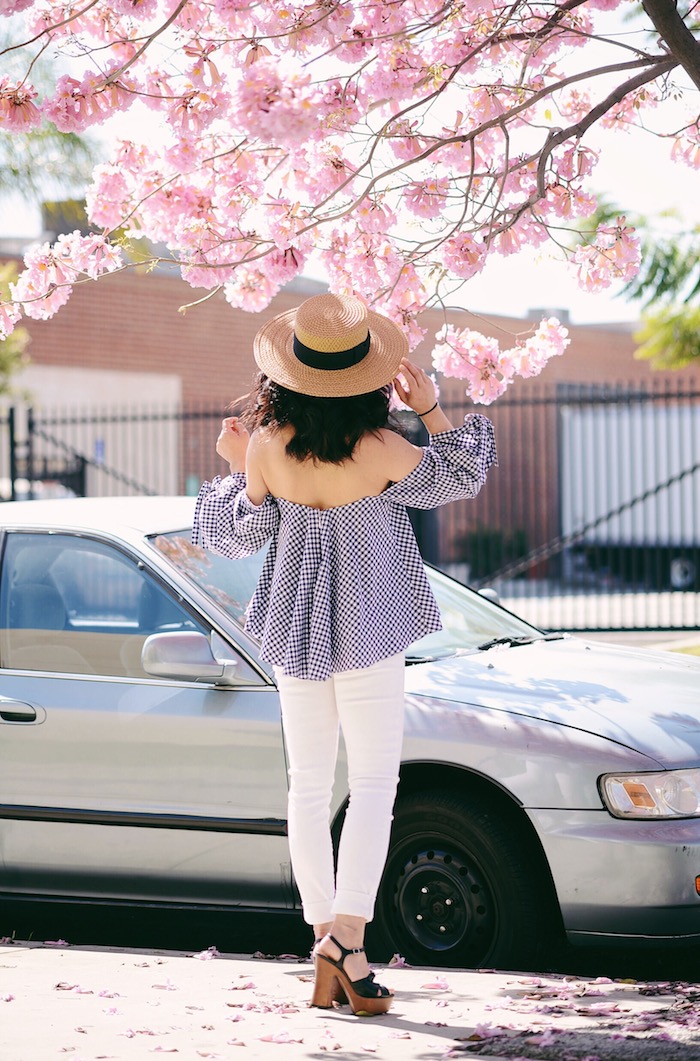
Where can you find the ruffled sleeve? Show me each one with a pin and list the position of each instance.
(227, 522)
(455, 464)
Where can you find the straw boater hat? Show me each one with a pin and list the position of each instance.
(331, 346)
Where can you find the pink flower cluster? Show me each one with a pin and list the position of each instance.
(463, 256)
(275, 100)
(18, 112)
(488, 370)
(79, 104)
(389, 141)
(613, 255)
(686, 148)
(46, 282)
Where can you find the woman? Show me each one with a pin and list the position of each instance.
(326, 481)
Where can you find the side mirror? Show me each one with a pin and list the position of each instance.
(490, 594)
(185, 654)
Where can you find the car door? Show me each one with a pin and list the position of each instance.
(114, 783)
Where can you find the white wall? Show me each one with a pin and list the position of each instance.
(108, 417)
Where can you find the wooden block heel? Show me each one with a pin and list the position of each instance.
(327, 989)
(366, 997)
(337, 993)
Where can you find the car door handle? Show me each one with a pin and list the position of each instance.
(16, 711)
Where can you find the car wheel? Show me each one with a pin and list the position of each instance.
(461, 886)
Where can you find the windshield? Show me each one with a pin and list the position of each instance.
(469, 620)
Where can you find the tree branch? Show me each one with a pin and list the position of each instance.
(673, 31)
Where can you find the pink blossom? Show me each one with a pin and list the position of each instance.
(405, 139)
(90, 255)
(317, 169)
(375, 216)
(475, 358)
(530, 356)
(9, 316)
(42, 288)
(488, 370)
(576, 162)
(339, 106)
(208, 954)
(463, 255)
(77, 105)
(281, 1037)
(145, 8)
(18, 112)
(567, 201)
(108, 197)
(686, 148)
(194, 110)
(276, 101)
(427, 198)
(320, 129)
(626, 112)
(614, 255)
(575, 104)
(251, 289)
(486, 102)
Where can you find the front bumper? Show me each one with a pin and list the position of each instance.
(621, 881)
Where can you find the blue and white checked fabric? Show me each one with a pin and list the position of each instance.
(343, 587)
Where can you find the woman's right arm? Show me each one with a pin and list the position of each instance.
(456, 460)
(416, 390)
(226, 519)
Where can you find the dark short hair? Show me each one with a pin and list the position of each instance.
(327, 429)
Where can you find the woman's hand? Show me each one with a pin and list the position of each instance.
(416, 390)
(415, 387)
(232, 443)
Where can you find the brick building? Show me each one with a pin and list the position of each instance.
(129, 325)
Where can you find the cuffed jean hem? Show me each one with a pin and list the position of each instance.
(353, 904)
(318, 913)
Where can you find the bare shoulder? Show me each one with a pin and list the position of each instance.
(266, 440)
(397, 455)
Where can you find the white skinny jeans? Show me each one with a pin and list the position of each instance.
(368, 705)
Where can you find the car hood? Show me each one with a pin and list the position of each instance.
(649, 701)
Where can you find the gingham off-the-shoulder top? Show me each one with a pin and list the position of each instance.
(343, 587)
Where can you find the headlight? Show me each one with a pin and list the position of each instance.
(669, 794)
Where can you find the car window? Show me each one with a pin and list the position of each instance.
(468, 619)
(73, 605)
(230, 583)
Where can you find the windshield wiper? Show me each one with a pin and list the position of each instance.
(522, 639)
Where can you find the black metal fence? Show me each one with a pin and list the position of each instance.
(591, 520)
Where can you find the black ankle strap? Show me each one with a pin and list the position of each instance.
(346, 950)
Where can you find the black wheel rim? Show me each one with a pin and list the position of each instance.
(442, 902)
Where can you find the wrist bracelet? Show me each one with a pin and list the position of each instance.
(428, 410)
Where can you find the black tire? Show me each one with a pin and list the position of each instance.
(461, 887)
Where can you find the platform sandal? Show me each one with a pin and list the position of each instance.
(366, 997)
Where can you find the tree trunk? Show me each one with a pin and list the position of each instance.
(678, 38)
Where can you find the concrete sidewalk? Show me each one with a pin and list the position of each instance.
(90, 1004)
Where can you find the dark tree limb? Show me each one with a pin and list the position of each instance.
(678, 38)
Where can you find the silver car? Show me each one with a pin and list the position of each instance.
(547, 783)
